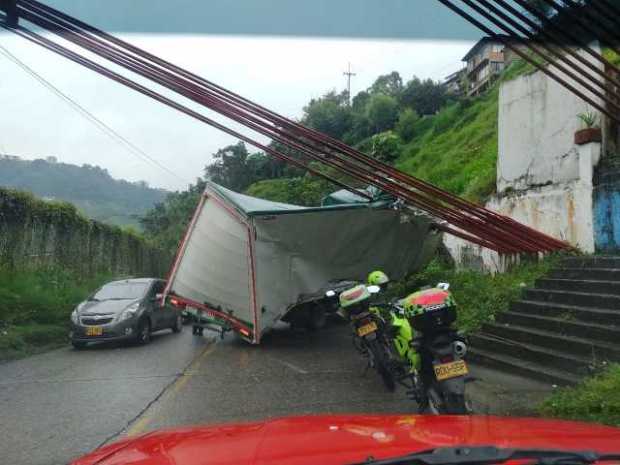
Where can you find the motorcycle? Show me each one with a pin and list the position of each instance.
(438, 382)
(368, 329)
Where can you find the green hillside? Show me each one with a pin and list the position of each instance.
(90, 188)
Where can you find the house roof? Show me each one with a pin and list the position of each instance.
(455, 75)
(485, 40)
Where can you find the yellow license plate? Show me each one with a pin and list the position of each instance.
(367, 329)
(450, 370)
(94, 331)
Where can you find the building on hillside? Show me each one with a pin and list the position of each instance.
(485, 61)
(454, 83)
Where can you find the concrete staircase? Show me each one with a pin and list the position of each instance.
(565, 328)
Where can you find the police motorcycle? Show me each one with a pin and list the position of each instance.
(412, 342)
(439, 375)
(368, 329)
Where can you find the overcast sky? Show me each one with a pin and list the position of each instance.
(282, 73)
(294, 51)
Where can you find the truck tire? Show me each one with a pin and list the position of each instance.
(317, 317)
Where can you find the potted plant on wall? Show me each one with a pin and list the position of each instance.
(591, 132)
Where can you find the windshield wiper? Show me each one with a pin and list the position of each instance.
(487, 455)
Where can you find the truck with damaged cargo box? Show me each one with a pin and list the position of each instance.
(246, 263)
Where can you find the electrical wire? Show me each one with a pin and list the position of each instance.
(105, 128)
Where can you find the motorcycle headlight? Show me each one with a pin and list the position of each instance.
(129, 312)
(74, 317)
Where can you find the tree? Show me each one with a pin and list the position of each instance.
(329, 114)
(388, 84)
(426, 97)
(230, 168)
(382, 112)
(405, 125)
(385, 147)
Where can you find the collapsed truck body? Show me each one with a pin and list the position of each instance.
(249, 263)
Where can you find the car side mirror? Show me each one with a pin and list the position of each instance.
(443, 286)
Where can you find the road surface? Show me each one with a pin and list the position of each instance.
(59, 405)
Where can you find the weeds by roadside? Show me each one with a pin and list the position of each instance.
(479, 296)
(35, 306)
(596, 399)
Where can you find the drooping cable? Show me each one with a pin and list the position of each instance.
(98, 123)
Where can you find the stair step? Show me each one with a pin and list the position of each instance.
(588, 314)
(585, 348)
(522, 368)
(563, 326)
(589, 286)
(601, 261)
(576, 365)
(582, 299)
(603, 274)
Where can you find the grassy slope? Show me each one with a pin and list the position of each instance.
(456, 149)
(35, 307)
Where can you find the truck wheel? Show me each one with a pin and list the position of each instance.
(317, 318)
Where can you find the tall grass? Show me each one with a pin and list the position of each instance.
(456, 149)
(35, 307)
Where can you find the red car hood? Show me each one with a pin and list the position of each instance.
(344, 439)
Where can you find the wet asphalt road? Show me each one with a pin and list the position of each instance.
(59, 405)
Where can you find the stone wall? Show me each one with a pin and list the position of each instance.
(35, 233)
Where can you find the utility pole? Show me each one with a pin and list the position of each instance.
(349, 75)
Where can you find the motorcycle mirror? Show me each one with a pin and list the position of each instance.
(374, 289)
(330, 293)
(443, 286)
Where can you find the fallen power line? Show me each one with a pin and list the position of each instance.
(469, 221)
(105, 128)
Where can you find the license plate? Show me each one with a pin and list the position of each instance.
(94, 331)
(450, 370)
(367, 329)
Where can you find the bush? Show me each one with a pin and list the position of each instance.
(597, 399)
(479, 296)
(385, 147)
(405, 127)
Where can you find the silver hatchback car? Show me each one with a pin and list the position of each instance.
(123, 310)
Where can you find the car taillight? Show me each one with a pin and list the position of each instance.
(177, 303)
(245, 332)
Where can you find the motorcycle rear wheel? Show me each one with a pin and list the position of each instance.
(445, 403)
(381, 364)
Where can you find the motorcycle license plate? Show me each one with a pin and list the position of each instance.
(367, 329)
(450, 370)
(94, 331)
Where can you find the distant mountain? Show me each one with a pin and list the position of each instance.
(90, 188)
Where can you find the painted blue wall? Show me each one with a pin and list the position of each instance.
(607, 217)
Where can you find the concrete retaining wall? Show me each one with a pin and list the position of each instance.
(544, 180)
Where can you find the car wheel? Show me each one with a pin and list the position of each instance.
(143, 335)
(78, 344)
(178, 324)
